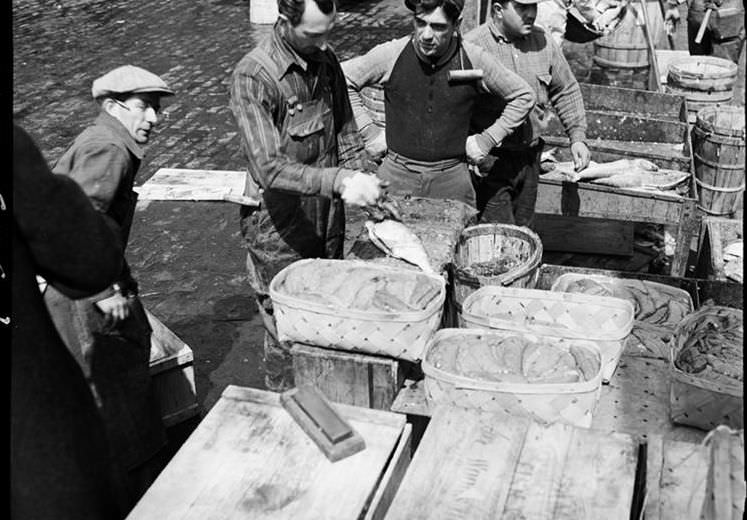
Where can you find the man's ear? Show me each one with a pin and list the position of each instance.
(496, 9)
(107, 105)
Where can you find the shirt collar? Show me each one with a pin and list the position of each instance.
(496, 32)
(116, 126)
(285, 55)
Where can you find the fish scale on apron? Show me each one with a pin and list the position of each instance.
(290, 227)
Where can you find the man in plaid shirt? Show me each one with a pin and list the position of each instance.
(507, 192)
(305, 157)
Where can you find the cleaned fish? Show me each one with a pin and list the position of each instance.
(623, 173)
(621, 166)
(397, 240)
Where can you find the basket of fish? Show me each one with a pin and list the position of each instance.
(546, 379)
(603, 320)
(357, 305)
(495, 254)
(706, 369)
(658, 308)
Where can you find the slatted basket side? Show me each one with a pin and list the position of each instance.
(488, 242)
(572, 403)
(697, 401)
(604, 320)
(401, 335)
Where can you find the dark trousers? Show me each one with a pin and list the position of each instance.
(508, 193)
(728, 49)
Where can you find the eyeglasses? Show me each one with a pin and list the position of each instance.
(142, 106)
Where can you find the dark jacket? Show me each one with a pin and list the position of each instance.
(59, 459)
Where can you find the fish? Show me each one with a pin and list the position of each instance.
(609, 169)
(623, 173)
(397, 240)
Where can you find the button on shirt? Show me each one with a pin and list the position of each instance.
(540, 62)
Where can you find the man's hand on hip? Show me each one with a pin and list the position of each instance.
(477, 148)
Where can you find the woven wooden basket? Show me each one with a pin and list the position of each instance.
(401, 335)
(490, 242)
(572, 403)
(604, 320)
(725, 484)
(697, 401)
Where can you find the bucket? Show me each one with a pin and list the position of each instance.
(621, 58)
(718, 153)
(703, 81)
(373, 100)
(263, 11)
(487, 245)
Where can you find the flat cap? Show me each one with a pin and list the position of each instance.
(129, 79)
(412, 4)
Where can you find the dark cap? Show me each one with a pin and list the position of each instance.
(412, 4)
(129, 79)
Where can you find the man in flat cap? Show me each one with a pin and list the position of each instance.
(108, 333)
(427, 109)
(305, 159)
(508, 192)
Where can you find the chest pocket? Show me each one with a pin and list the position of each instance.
(542, 88)
(306, 131)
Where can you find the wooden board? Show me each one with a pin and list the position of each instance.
(184, 184)
(643, 103)
(392, 478)
(675, 479)
(584, 235)
(624, 126)
(172, 374)
(349, 377)
(481, 465)
(249, 459)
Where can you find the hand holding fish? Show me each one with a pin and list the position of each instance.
(581, 155)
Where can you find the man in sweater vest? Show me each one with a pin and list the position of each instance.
(428, 107)
(508, 193)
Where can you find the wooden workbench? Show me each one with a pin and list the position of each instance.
(249, 459)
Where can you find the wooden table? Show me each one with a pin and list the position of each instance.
(249, 459)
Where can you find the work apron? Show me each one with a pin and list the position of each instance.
(115, 360)
(289, 227)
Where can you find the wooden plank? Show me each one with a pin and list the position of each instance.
(642, 102)
(462, 468)
(347, 377)
(186, 184)
(624, 126)
(588, 200)
(249, 459)
(676, 479)
(392, 478)
(573, 473)
(584, 235)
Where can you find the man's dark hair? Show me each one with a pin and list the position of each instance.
(293, 9)
(452, 8)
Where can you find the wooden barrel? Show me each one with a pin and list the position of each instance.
(373, 100)
(718, 153)
(621, 57)
(703, 81)
(485, 244)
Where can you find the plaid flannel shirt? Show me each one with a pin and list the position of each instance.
(540, 62)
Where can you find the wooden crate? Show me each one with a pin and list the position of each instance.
(675, 479)
(481, 465)
(717, 233)
(172, 374)
(349, 377)
(249, 459)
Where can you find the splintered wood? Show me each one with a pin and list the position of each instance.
(506, 467)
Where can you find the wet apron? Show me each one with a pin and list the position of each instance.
(288, 227)
(115, 360)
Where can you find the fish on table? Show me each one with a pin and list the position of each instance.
(622, 173)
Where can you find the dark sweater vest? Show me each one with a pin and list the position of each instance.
(427, 118)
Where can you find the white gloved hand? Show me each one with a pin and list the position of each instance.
(477, 148)
(360, 189)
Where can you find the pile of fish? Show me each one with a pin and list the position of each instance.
(623, 173)
(495, 267)
(360, 288)
(713, 348)
(733, 265)
(517, 359)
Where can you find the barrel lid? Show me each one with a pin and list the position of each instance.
(722, 119)
(703, 67)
